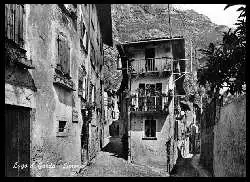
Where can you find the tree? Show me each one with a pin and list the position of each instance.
(226, 62)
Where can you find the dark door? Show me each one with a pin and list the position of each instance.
(84, 138)
(101, 142)
(168, 145)
(17, 141)
(150, 61)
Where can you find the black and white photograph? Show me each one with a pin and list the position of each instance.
(125, 90)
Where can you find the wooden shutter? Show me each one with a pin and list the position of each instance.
(83, 29)
(60, 50)
(67, 58)
(64, 55)
(14, 22)
(87, 41)
(20, 28)
(6, 18)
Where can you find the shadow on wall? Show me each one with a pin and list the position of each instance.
(64, 96)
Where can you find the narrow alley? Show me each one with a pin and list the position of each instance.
(124, 90)
(184, 168)
(110, 162)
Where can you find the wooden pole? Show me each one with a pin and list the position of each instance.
(191, 56)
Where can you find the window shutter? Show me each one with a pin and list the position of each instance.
(22, 20)
(16, 23)
(87, 40)
(10, 21)
(83, 29)
(64, 55)
(59, 51)
(6, 18)
(67, 58)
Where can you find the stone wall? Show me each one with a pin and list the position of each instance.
(230, 140)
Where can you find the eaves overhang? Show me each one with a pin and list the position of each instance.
(105, 19)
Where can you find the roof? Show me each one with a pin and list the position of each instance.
(104, 16)
(150, 40)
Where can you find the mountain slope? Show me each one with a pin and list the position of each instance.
(133, 22)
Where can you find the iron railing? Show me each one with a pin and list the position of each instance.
(149, 103)
(150, 65)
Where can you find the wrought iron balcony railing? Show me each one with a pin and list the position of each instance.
(149, 103)
(150, 65)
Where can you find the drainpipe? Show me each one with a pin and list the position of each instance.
(129, 118)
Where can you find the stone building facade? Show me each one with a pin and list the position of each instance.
(53, 86)
(147, 100)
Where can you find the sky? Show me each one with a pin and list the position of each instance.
(215, 12)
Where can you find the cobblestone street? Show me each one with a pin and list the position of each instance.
(184, 168)
(109, 163)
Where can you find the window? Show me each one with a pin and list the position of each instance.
(80, 87)
(84, 88)
(93, 95)
(92, 56)
(63, 64)
(101, 46)
(150, 89)
(153, 99)
(150, 128)
(113, 114)
(176, 134)
(84, 36)
(61, 127)
(14, 16)
(92, 25)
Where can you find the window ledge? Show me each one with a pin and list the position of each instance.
(17, 55)
(25, 63)
(83, 47)
(149, 138)
(64, 81)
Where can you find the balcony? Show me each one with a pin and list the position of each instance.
(149, 104)
(150, 65)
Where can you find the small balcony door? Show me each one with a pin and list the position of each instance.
(150, 59)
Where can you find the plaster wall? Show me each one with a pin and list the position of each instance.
(54, 103)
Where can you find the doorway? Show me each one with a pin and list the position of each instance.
(84, 138)
(17, 141)
(150, 59)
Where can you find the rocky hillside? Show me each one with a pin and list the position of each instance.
(132, 22)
